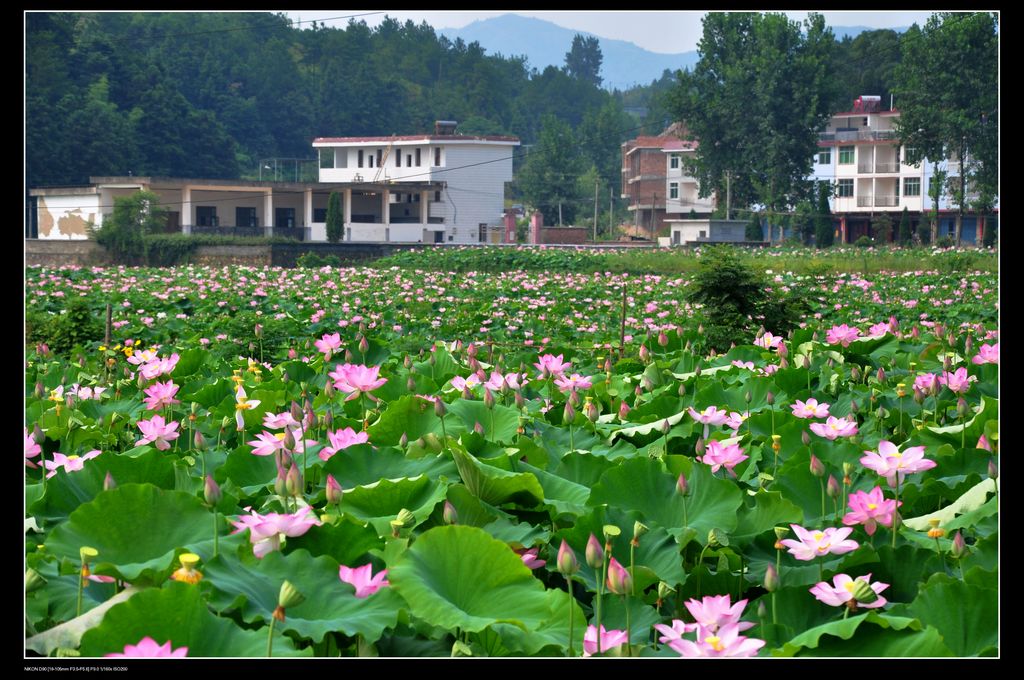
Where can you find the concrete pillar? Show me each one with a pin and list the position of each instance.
(510, 227)
(186, 210)
(346, 210)
(385, 215)
(842, 229)
(536, 222)
(307, 207)
(268, 213)
(424, 207)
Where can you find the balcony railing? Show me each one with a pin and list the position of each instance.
(857, 136)
(863, 201)
(864, 168)
(887, 167)
(887, 201)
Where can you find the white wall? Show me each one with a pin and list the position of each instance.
(476, 194)
(65, 217)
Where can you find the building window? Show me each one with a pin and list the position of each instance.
(911, 156)
(398, 159)
(825, 157)
(408, 160)
(437, 197)
(369, 161)
(437, 156)
(359, 161)
(246, 217)
(206, 215)
(673, 161)
(326, 158)
(379, 157)
(844, 188)
(418, 160)
(319, 214)
(673, 190)
(846, 156)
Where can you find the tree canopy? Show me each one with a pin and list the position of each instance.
(583, 61)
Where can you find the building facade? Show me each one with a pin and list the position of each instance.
(872, 173)
(469, 171)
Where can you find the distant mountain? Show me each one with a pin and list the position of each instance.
(545, 44)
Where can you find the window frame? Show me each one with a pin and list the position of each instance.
(846, 182)
(852, 151)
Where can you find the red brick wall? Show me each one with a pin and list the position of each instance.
(574, 235)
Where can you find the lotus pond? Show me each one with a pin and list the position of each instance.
(407, 463)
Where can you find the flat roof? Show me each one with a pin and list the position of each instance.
(425, 138)
(96, 183)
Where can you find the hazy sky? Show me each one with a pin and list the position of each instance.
(657, 31)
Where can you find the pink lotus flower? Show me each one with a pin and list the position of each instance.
(356, 379)
(890, 463)
(161, 394)
(281, 420)
(842, 335)
(342, 439)
(709, 416)
(811, 544)
(328, 344)
(835, 427)
(267, 443)
(265, 531)
(987, 354)
(465, 384)
(516, 380)
(880, 329)
(143, 357)
(768, 341)
(496, 382)
(157, 367)
(573, 383)
(529, 557)
(362, 579)
(674, 632)
(148, 648)
(842, 592)
(749, 365)
(716, 611)
(158, 432)
(809, 409)
(958, 381)
(69, 463)
(735, 419)
(870, 509)
(722, 643)
(549, 365)
(718, 455)
(610, 639)
(927, 383)
(32, 449)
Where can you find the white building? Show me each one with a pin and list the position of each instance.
(873, 173)
(471, 172)
(682, 191)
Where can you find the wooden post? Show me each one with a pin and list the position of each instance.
(107, 336)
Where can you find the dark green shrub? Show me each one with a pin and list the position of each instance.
(335, 218)
(944, 242)
(989, 237)
(77, 326)
(753, 231)
(904, 233)
(824, 234)
(864, 242)
(123, 233)
(316, 261)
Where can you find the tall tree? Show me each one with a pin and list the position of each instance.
(824, 233)
(583, 60)
(335, 219)
(948, 94)
(548, 179)
(756, 100)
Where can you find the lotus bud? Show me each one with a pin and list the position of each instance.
(959, 547)
(403, 441)
(328, 391)
(880, 375)
(488, 398)
(466, 394)
(717, 538)
(407, 362)
(594, 554)
(805, 438)
(783, 350)
(771, 578)
(968, 345)
(289, 440)
(915, 333)
(348, 356)
(590, 410)
(762, 611)
(449, 515)
(993, 470)
(682, 486)
(566, 561)
(327, 419)
(439, 407)
(619, 581)
(471, 350)
(783, 363)
(854, 406)
(293, 481)
(364, 346)
(434, 444)
(645, 354)
(334, 491)
(918, 395)
(662, 339)
(682, 390)
(848, 469)
(863, 593)
(855, 373)
(479, 429)
(637, 392)
(697, 372)
(40, 391)
(460, 648)
(520, 402)
(770, 398)
(37, 434)
(280, 486)
(700, 447)
(961, 407)
(946, 363)
(832, 487)
(33, 580)
(817, 468)
(410, 384)
(568, 413)
(623, 409)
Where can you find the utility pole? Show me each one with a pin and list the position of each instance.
(559, 213)
(611, 211)
(595, 211)
(654, 204)
(728, 195)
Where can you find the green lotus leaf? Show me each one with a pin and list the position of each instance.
(250, 472)
(378, 503)
(457, 576)
(66, 491)
(503, 428)
(178, 613)
(566, 497)
(136, 528)
(644, 485)
(966, 614)
(190, 361)
(408, 415)
(330, 604)
(552, 636)
(970, 506)
(362, 464)
(870, 634)
(496, 486)
(767, 510)
(346, 541)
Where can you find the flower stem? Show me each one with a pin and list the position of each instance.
(896, 513)
(270, 638)
(571, 446)
(568, 583)
(600, 587)
(821, 481)
(215, 527)
(846, 612)
(81, 587)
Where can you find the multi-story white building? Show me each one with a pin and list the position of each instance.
(472, 171)
(873, 173)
